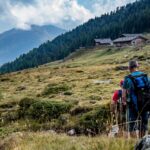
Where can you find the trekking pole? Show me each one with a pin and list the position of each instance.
(112, 115)
(140, 136)
(121, 114)
(112, 118)
(127, 120)
(116, 115)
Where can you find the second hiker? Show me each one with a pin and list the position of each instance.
(118, 109)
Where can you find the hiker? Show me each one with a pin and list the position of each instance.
(117, 108)
(117, 97)
(135, 94)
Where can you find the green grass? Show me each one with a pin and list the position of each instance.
(51, 141)
(67, 82)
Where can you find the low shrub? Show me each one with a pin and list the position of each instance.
(95, 121)
(47, 110)
(26, 102)
(24, 105)
(55, 89)
(42, 110)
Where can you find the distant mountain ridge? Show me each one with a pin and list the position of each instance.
(132, 18)
(17, 41)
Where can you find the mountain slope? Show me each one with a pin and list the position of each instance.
(87, 82)
(109, 25)
(16, 41)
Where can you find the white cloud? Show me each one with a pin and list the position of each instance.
(46, 12)
(65, 13)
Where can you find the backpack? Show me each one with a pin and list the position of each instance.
(141, 93)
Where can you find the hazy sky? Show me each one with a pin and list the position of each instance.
(63, 13)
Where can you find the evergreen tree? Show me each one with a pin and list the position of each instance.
(132, 18)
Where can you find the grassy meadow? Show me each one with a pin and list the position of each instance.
(52, 141)
(74, 93)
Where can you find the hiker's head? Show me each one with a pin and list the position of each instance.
(133, 65)
(121, 83)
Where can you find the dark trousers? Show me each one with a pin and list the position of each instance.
(137, 121)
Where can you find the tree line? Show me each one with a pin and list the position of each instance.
(132, 18)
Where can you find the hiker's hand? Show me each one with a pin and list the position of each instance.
(124, 101)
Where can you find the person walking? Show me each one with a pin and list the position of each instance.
(118, 109)
(117, 105)
(134, 86)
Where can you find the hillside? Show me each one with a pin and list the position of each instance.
(15, 42)
(108, 25)
(64, 95)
